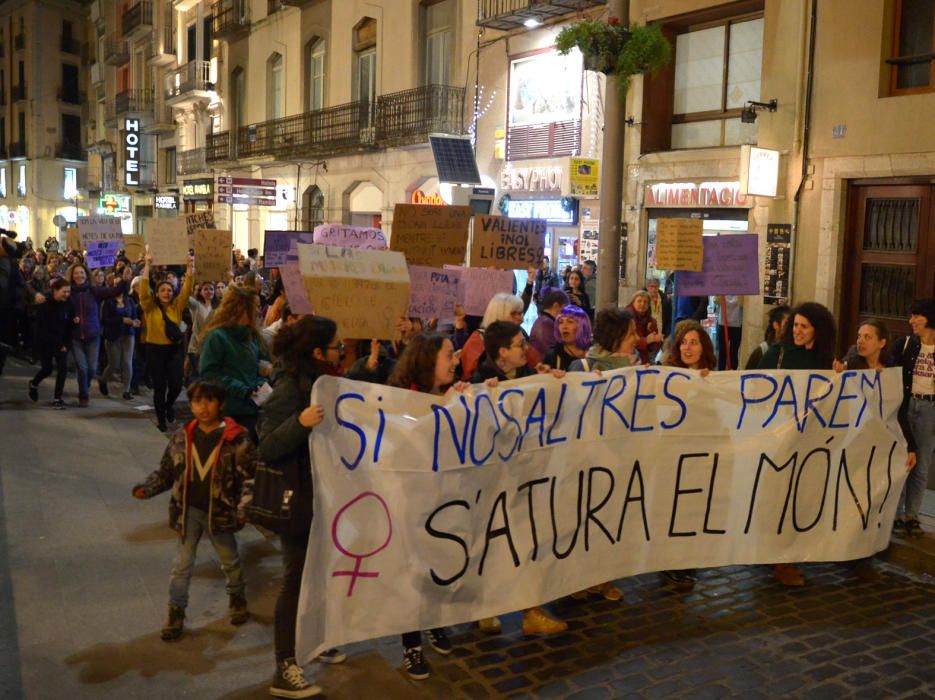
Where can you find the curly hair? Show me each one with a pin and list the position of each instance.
(825, 330)
(583, 333)
(294, 343)
(416, 366)
(708, 359)
(237, 301)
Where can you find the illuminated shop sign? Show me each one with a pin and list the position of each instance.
(131, 147)
(419, 197)
(551, 210)
(166, 201)
(694, 195)
(199, 190)
(112, 203)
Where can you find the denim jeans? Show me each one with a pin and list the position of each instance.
(922, 424)
(119, 356)
(225, 545)
(85, 352)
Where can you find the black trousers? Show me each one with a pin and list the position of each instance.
(60, 359)
(735, 334)
(164, 363)
(294, 548)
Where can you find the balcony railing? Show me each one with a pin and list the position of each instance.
(70, 151)
(116, 52)
(19, 42)
(513, 14)
(193, 76)
(138, 16)
(409, 116)
(18, 149)
(71, 96)
(191, 162)
(133, 101)
(218, 147)
(230, 18)
(164, 45)
(68, 44)
(18, 92)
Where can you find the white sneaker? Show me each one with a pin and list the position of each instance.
(290, 682)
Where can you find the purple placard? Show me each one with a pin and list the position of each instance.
(294, 286)
(279, 247)
(479, 284)
(731, 266)
(434, 291)
(350, 236)
(102, 253)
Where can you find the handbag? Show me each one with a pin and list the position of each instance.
(281, 501)
(172, 330)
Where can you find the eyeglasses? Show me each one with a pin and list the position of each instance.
(516, 314)
(521, 344)
(339, 347)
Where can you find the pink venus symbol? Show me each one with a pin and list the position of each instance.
(358, 558)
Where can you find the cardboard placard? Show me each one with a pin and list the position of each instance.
(72, 238)
(212, 255)
(167, 240)
(294, 288)
(507, 244)
(731, 266)
(679, 245)
(102, 253)
(98, 228)
(350, 236)
(134, 247)
(434, 291)
(364, 291)
(430, 236)
(279, 246)
(197, 220)
(478, 286)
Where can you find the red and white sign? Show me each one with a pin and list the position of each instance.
(694, 195)
(246, 190)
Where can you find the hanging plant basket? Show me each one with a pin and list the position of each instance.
(609, 48)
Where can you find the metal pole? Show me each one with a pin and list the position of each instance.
(612, 165)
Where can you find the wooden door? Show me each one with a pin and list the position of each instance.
(889, 255)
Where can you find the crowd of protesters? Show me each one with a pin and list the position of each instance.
(231, 340)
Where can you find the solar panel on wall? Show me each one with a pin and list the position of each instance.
(454, 159)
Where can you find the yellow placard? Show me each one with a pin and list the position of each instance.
(679, 244)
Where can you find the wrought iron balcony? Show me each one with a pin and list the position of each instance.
(189, 83)
(165, 49)
(19, 41)
(230, 19)
(133, 102)
(68, 44)
(218, 147)
(330, 131)
(408, 117)
(70, 151)
(71, 96)
(138, 19)
(18, 149)
(18, 92)
(514, 14)
(116, 52)
(191, 162)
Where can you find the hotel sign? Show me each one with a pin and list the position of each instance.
(198, 190)
(695, 195)
(131, 148)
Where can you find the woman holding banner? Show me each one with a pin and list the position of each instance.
(306, 350)
(807, 342)
(162, 315)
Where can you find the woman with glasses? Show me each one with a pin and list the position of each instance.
(306, 350)
(234, 355)
(503, 307)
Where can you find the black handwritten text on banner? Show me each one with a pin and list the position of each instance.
(441, 504)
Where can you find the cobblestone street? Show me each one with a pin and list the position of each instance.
(84, 571)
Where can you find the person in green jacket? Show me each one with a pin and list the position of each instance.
(234, 355)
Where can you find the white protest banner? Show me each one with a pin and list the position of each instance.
(434, 291)
(350, 236)
(167, 240)
(442, 504)
(364, 291)
(98, 228)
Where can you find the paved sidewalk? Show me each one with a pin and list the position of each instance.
(84, 572)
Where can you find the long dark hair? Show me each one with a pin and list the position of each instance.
(416, 366)
(776, 315)
(825, 330)
(294, 343)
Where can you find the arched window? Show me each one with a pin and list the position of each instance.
(315, 75)
(274, 96)
(313, 208)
